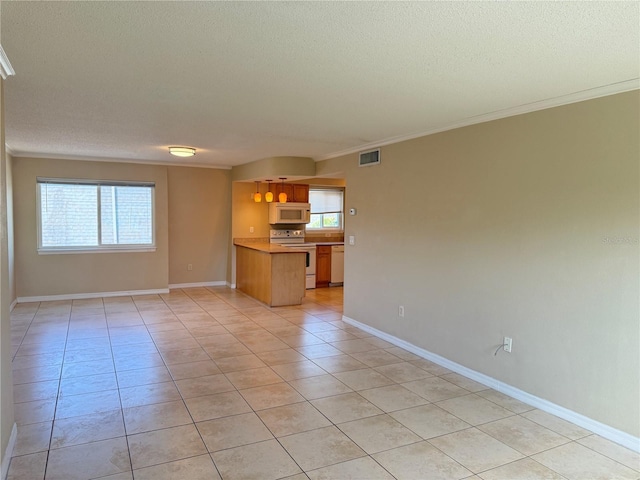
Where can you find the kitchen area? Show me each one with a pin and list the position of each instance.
(296, 245)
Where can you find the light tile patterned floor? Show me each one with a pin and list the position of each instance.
(206, 383)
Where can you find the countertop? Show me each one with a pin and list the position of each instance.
(315, 244)
(265, 247)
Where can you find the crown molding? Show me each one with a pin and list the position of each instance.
(6, 69)
(49, 156)
(590, 94)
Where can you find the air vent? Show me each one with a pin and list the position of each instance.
(369, 158)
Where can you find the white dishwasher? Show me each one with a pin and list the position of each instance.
(337, 265)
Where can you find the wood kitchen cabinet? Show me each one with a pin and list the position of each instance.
(323, 265)
(301, 193)
(286, 188)
(295, 192)
(270, 273)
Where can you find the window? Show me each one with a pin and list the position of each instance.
(326, 209)
(81, 215)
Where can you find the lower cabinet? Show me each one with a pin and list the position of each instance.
(277, 279)
(323, 265)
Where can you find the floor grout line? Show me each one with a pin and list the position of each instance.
(253, 321)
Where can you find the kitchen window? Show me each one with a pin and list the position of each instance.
(76, 216)
(327, 205)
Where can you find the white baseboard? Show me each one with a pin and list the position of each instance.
(231, 285)
(82, 296)
(13, 304)
(610, 433)
(197, 284)
(6, 459)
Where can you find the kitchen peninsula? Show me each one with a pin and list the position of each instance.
(270, 273)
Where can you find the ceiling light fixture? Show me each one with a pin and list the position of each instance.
(282, 198)
(182, 151)
(268, 197)
(257, 197)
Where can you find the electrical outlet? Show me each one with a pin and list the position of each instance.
(251, 230)
(352, 240)
(401, 311)
(190, 267)
(507, 343)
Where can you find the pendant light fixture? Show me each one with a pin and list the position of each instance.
(268, 197)
(256, 196)
(282, 198)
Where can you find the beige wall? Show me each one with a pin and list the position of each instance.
(10, 242)
(38, 275)
(246, 214)
(192, 227)
(199, 224)
(6, 383)
(524, 227)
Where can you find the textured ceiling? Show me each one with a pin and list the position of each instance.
(241, 81)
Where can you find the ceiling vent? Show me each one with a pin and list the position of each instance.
(372, 157)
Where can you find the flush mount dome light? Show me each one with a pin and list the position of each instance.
(182, 151)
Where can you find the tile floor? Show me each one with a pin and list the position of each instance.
(206, 383)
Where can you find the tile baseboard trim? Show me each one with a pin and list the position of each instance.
(82, 296)
(6, 459)
(197, 284)
(606, 431)
(13, 304)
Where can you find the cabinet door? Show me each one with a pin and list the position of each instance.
(301, 193)
(323, 265)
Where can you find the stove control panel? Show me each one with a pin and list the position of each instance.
(286, 236)
(286, 233)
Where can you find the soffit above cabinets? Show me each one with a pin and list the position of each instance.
(275, 168)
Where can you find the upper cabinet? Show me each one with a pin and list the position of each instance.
(295, 192)
(301, 193)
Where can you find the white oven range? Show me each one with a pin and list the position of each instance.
(295, 239)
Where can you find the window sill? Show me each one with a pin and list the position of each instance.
(66, 251)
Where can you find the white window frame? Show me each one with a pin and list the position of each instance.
(100, 248)
(329, 229)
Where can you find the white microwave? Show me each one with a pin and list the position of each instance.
(292, 213)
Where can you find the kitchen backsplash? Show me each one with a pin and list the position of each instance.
(252, 240)
(320, 238)
(333, 237)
